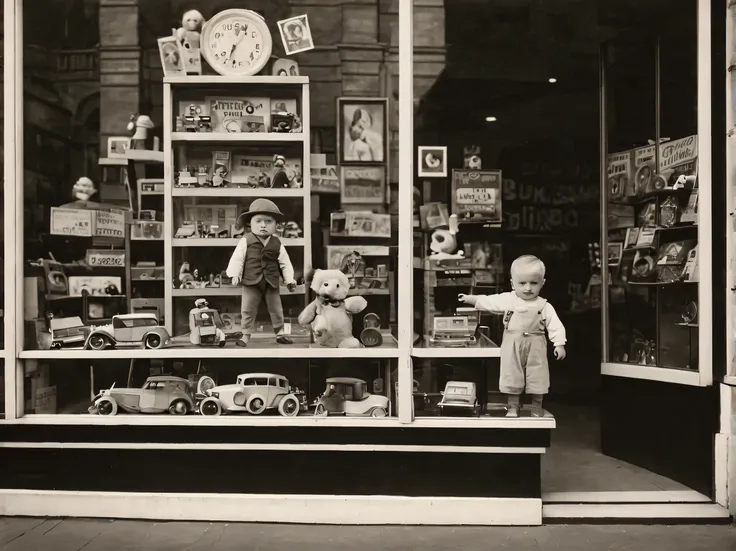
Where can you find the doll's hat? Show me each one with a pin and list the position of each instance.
(260, 206)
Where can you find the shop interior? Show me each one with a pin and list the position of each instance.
(521, 92)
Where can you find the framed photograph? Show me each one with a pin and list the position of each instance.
(362, 130)
(117, 145)
(295, 34)
(615, 252)
(171, 61)
(362, 184)
(432, 161)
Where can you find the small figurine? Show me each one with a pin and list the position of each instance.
(291, 230)
(296, 127)
(471, 157)
(280, 178)
(139, 126)
(444, 242)
(257, 264)
(203, 328)
(84, 189)
(526, 316)
(185, 275)
(219, 174)
(188, 36)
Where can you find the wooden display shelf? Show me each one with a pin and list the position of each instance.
(228, 242)
(226, 292)
(203, 192)
(241, 137)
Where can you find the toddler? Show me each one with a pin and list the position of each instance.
(258, 262)
(526, 316)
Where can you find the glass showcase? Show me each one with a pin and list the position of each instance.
(216, 226)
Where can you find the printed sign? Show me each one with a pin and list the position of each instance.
(109, 224)
(677, 152)
(105, 258)
(71, 222)
(476, 195)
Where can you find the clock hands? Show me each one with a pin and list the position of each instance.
(239, 34)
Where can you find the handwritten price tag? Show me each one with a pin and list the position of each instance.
(475, 195)
(106, 259)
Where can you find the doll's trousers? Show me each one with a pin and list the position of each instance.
(251, 298)
(524, 364)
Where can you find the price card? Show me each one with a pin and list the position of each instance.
(71, 222)
(100, 258)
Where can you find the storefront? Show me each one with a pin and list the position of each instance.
(246, 308)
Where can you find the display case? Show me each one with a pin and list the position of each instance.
(656, 223)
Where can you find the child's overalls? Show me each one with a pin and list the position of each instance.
(524, 364)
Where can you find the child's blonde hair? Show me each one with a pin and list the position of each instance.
(528, 264)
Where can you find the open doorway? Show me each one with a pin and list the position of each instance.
(522, 89)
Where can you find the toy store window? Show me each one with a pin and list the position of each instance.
(652, 257)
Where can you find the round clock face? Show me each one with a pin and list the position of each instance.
(236, 42)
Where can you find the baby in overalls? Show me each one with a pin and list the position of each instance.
(526, 316)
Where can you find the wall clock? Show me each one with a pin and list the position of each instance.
(236, 42)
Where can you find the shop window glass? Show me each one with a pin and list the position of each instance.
(123, 257)
(652, 256)
(211, 387)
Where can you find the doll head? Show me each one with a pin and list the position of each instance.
(527, 277)
(83, 189)
(192, 21)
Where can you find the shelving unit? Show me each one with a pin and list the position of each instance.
(208, 86)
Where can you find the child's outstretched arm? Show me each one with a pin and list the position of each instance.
(495, 304)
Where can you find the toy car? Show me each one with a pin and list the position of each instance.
(254, 393)
(459, 397)
(349, 396)
(67, 332)
(129, 330)
(158, 395)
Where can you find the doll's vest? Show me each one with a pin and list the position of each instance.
(261, 262)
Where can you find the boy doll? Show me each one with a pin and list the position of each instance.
(257, 263)
(526, 315)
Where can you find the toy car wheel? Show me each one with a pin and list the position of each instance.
(98, 342)
(289, 406)
(180, 407)
(107, 407)
(153, 340)
(55, 346)
(320, 411)
(378, 412)
(210, 406)
(255, 405)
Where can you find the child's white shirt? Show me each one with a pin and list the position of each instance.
(504, 302)
(237, 260)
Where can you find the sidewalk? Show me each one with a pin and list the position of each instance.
(26, 534)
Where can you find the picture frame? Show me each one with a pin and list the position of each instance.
(296, 36)
(432, 161)
(362, 185)
(117, 146)
(171, 60)
(615, 252)
(362, 131)
(477, 196)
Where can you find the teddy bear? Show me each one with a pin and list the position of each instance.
(330, 314)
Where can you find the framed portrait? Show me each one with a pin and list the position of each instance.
(117, 145)
(171, 60)
(362, 184)
(296, 34)
(362, 131)
(432, 161)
